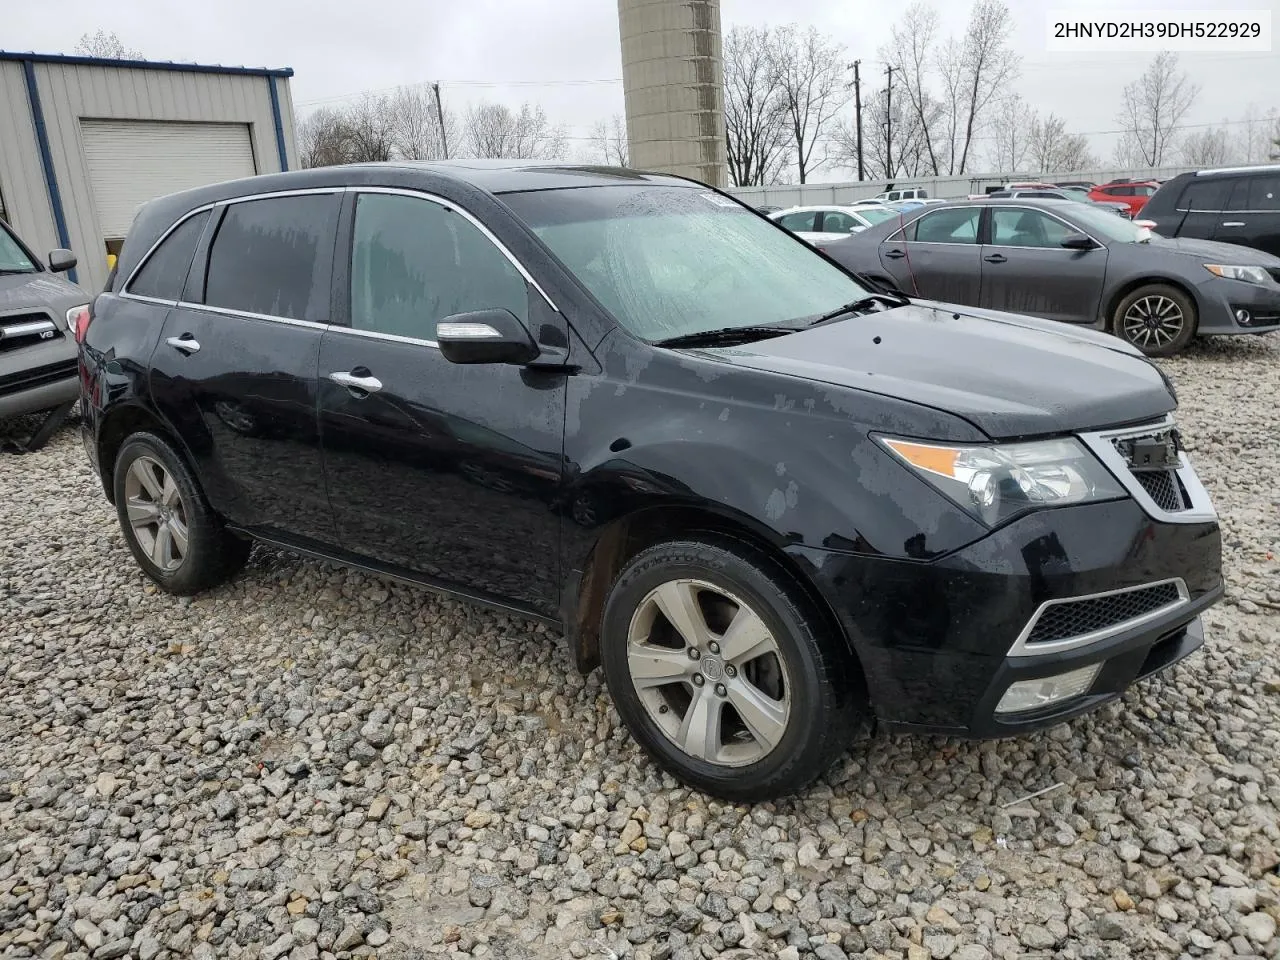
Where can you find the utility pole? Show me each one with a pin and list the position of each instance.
(888, 115)
(857, 107)
(444, 140)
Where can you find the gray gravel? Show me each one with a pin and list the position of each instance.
(313, 763)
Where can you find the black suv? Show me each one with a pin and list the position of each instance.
(1233, 204)
(768, 500)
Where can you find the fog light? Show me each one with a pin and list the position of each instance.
(1033, 694)
(1242, 316)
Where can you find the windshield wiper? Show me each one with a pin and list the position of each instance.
(856, 306)
(7, 271)
(725, 336)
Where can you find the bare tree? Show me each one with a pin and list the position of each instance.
(987, 65)
(1011, 129)
(910, 52)
(370, 126)
(1151, 108)
(1259, 130)
(895, 142)
(755, 111)
(107, 44)
(415, 124)
(1209, 147)
(495, 130)
(324, 139)
(609, 143)
(1051, 149)
(808, 70)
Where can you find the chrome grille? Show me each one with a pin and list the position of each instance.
(1065, 619)
(23, 329)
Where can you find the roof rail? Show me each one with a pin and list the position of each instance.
(1252, 168)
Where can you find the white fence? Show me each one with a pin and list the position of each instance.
(794, 194)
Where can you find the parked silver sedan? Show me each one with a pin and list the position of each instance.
(1066, 261)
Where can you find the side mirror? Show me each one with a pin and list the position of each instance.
(1078, 241)
(61, 260)
(485, 336)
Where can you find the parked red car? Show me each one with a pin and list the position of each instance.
(1133, 193)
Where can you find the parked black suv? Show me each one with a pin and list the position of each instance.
(767, 500)
(1233, 204)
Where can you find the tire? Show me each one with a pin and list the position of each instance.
(1142, 318)
(799, 693)
(172, 502)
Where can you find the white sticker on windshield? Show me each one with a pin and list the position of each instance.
(720, 201)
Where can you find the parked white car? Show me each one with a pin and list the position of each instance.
(823, 224)
(903, 193)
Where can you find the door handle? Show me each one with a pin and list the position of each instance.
(354, 383)
(894, 254)
(996, 258)
(1233, 223)
(186, 343)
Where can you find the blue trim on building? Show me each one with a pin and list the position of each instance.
(275, 115)
(46, 159)
(143, 64)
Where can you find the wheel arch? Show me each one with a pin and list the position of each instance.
(1129, 286)
(117, 425)
(625, 537)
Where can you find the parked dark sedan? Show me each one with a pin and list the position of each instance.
(1074, 263)
(768, 501)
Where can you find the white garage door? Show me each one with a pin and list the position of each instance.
(133, 161)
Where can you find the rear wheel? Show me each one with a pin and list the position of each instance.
(723, 673)
(1156, 318)
(178, 541)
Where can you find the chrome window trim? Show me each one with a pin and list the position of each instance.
(133, 275)
(276, 194)
(1021, 648)
(376, 335)
(466, 215)
(141, 299)
(1052, 216)
(246, 315)
(1200, 510)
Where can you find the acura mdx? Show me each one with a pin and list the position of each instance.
(769, 501)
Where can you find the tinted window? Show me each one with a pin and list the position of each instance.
(272, 257)
(1027, 228)
(1264, 193)
(667, 261)
(414, 262)
(165, 271)
(799, 221)
(1144, 191)
(1208, 195)
(949, 226)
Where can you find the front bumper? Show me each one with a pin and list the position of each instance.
(934, 639)
(38, 377)
(1220, 299)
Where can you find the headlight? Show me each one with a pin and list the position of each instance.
(1247, 274)
(997, 483)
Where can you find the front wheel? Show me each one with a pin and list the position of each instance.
(723, 673)
(1156, 318)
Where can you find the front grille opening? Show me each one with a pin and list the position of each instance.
(1163, 487)
(1075, 618)
(11, 340)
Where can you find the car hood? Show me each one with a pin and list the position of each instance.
(1214, 251)
(39, 291)
(1008, 375)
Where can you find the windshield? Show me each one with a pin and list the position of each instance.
(874, 215)
(1101, 222)
(12, 259)
(671, 261)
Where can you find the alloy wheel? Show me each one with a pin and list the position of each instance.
(156, 513)
(709, 673)
(1153, 322)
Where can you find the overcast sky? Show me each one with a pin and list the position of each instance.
(564, 54)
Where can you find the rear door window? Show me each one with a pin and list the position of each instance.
(801, 220)
(1208, 196)
(165, 271)
(949, 226)
(836, 221)
(271, 257)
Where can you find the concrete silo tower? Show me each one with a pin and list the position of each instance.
(673, 81)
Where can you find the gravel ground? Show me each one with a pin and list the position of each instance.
(313, 763)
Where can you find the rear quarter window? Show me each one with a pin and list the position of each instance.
(164, 273)
(1264, 193)
(1204, 196)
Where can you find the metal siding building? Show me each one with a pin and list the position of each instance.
(84, 141)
